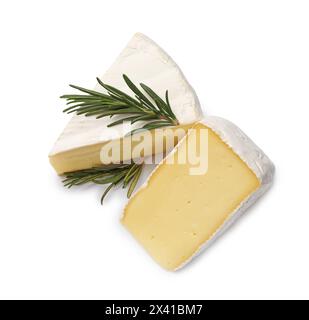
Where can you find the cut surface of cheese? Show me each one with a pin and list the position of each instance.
(142, 60)
(176, 214)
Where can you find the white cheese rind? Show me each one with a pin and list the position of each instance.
(143, 61)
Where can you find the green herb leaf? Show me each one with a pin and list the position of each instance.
(134, 181)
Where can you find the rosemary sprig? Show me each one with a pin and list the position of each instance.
(154, 110)
(113, 175)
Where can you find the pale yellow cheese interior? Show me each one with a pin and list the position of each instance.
(89, 156)
(177, 212)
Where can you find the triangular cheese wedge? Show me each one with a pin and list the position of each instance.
(79, 145)
(176, 214)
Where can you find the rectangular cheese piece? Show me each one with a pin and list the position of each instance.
(142, 60)
(176, 214)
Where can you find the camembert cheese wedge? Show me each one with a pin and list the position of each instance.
(175, 214)
(79, 145)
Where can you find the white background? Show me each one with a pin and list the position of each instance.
(248, 62)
